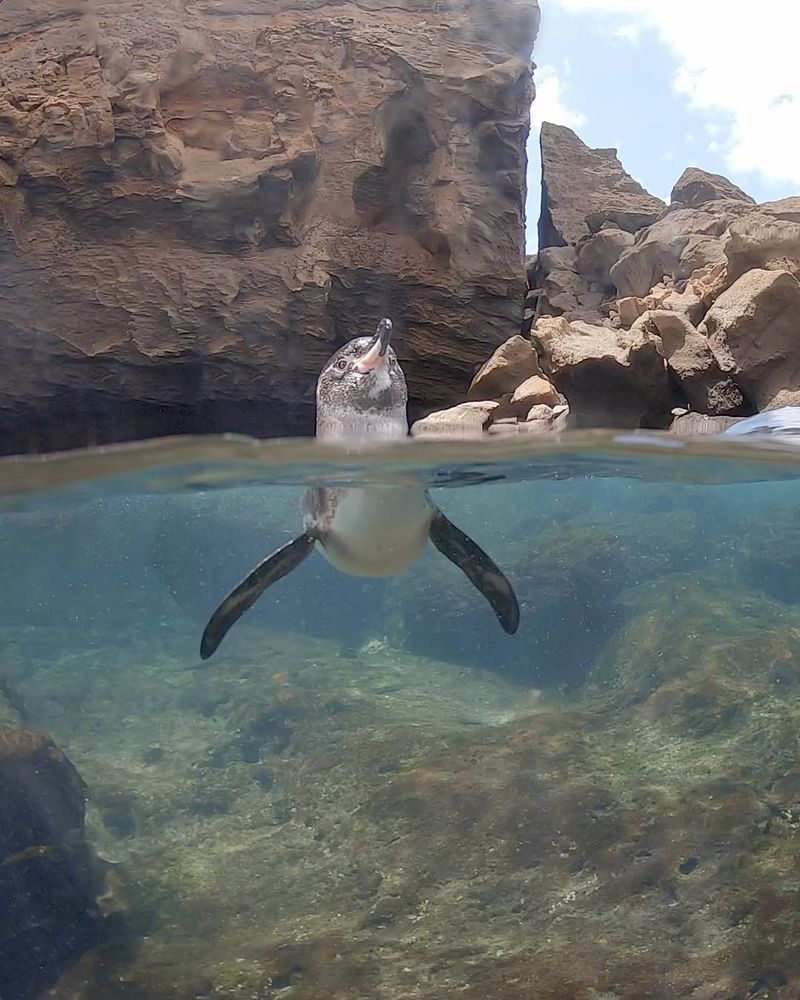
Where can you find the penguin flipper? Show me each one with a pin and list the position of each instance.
(479, 568)
(245, 595)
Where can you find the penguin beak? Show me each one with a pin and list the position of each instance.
(376, 352)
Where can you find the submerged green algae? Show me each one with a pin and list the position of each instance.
(407, 829)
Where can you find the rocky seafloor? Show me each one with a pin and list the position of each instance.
(612, 812)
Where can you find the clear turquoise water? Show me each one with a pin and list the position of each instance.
(371, 791)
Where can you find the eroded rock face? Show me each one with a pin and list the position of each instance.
(583, 188)
(199, 204)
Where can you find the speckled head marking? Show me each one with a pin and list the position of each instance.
(361, 391)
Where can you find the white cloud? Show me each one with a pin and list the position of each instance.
(629, 32)
(550, 104)
(737, 63)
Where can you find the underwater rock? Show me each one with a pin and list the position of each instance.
(50, 879)
(662, 661)
(12, 708)
(199, 204)
(568, 577)
(584, 188)
(397, 828)
(8, 717)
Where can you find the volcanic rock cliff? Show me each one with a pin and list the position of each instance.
(200, 200)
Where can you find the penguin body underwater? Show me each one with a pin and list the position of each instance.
(371, 531)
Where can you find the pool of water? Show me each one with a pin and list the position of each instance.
(371, 790)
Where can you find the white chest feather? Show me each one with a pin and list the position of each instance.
(377, 531)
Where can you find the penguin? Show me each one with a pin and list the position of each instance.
(374, 530)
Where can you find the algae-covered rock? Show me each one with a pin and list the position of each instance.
(567, 576)
(398, 828)
(10, 717)
(49, 877)
(698, 654)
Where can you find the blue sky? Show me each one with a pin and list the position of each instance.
(671, 84)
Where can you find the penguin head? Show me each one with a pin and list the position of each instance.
(363, 377)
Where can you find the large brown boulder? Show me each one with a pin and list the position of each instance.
(610, 378)
(768, 237)
(693, 365)
(583, 188)
(599, 253)
(754, 332)
(510, 365)
(683, 241)
(199, 203)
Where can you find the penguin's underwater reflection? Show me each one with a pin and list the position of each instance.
(372, 531)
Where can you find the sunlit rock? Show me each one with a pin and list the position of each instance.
(690, 359)
(696, 187)
(584, 188)
(533, 391)
(613, 378)
(511, 364)
(752, 331)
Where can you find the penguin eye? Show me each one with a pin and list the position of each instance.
(341, 364)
